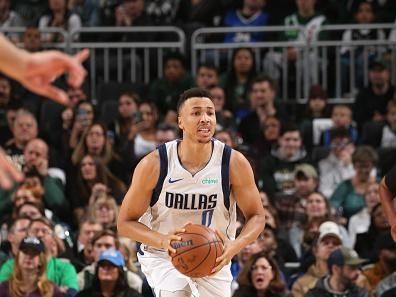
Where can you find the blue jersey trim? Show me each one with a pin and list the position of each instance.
(225, 175)
(163, 173)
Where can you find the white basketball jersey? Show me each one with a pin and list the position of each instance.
(203, 198)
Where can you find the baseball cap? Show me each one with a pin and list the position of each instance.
(329, 228)
(113, 256)
(305, 169)
(345, 256)
(32, 244)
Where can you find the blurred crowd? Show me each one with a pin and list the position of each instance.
(317, 166)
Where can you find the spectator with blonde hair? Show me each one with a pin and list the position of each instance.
(104, 210)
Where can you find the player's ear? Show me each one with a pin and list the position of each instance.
(180, 122)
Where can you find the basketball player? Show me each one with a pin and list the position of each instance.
(36, 71)
(387, 193)
(199, 180)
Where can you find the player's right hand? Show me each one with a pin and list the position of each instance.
(167, 239)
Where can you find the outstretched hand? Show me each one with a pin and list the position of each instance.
(43, 68)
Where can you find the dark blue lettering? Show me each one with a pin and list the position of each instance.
(169, 199)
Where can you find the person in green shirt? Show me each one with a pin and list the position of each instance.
(61, 272)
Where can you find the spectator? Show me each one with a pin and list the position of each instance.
(262, 95)
(59, 17)
(162, 12)
(317, 108)
(292, 208)
(271, 129)
(360, 222)
(32, 39)
(337, 166)
(102, 241)
(16, 232)
(30, 10)
(165, 133)
(344, 269)
(277, 169)
(128, 116)
(237, 81)
(207, 76)
(110, 278)
(96, 142)
(7, 107)
(75, 122)
(329, 239)
(365, 242)
(60, 272)
(9, 19)
(382, 134)
(143, 141)
(317, 210)
(32, 210)
(93, 179)
(224, 117)
(261, 277)
(165, 91)
(250, 15)
(385, 250)
(104, 210)
(348, 197)
(83, 248)
(88, 11)
(341, 117)
(311, 22)
(29, 277)
(371, 101)
(365, 14)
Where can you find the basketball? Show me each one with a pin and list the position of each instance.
(197, 251)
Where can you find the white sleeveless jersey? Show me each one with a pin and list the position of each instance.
(203, 198)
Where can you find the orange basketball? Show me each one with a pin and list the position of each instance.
(197, 251)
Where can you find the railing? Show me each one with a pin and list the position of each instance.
(317, 61)
(313, 58)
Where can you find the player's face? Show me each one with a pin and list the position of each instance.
(197, 119)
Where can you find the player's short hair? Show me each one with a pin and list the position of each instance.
(191, 93)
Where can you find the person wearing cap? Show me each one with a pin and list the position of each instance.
(61, 272)
(343, 272)
(328, 240)
(110, 277)
(385, 249)
(337, 166)
(292, 208)
(370, 103)
(29, 276)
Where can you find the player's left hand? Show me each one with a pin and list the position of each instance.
(228, 252)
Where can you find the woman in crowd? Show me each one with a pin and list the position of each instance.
(236, 82)
(110, 278)
(93, 179)
(28, 278)
(261, 277)
(104, 210)
(144, 138)
(348, 198)
(95, 142)
(128, 117)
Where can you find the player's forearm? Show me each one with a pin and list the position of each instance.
(13, 60)
(251, 230)
(141, 233)
(386, 198)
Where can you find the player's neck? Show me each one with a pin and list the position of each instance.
(194, 156)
